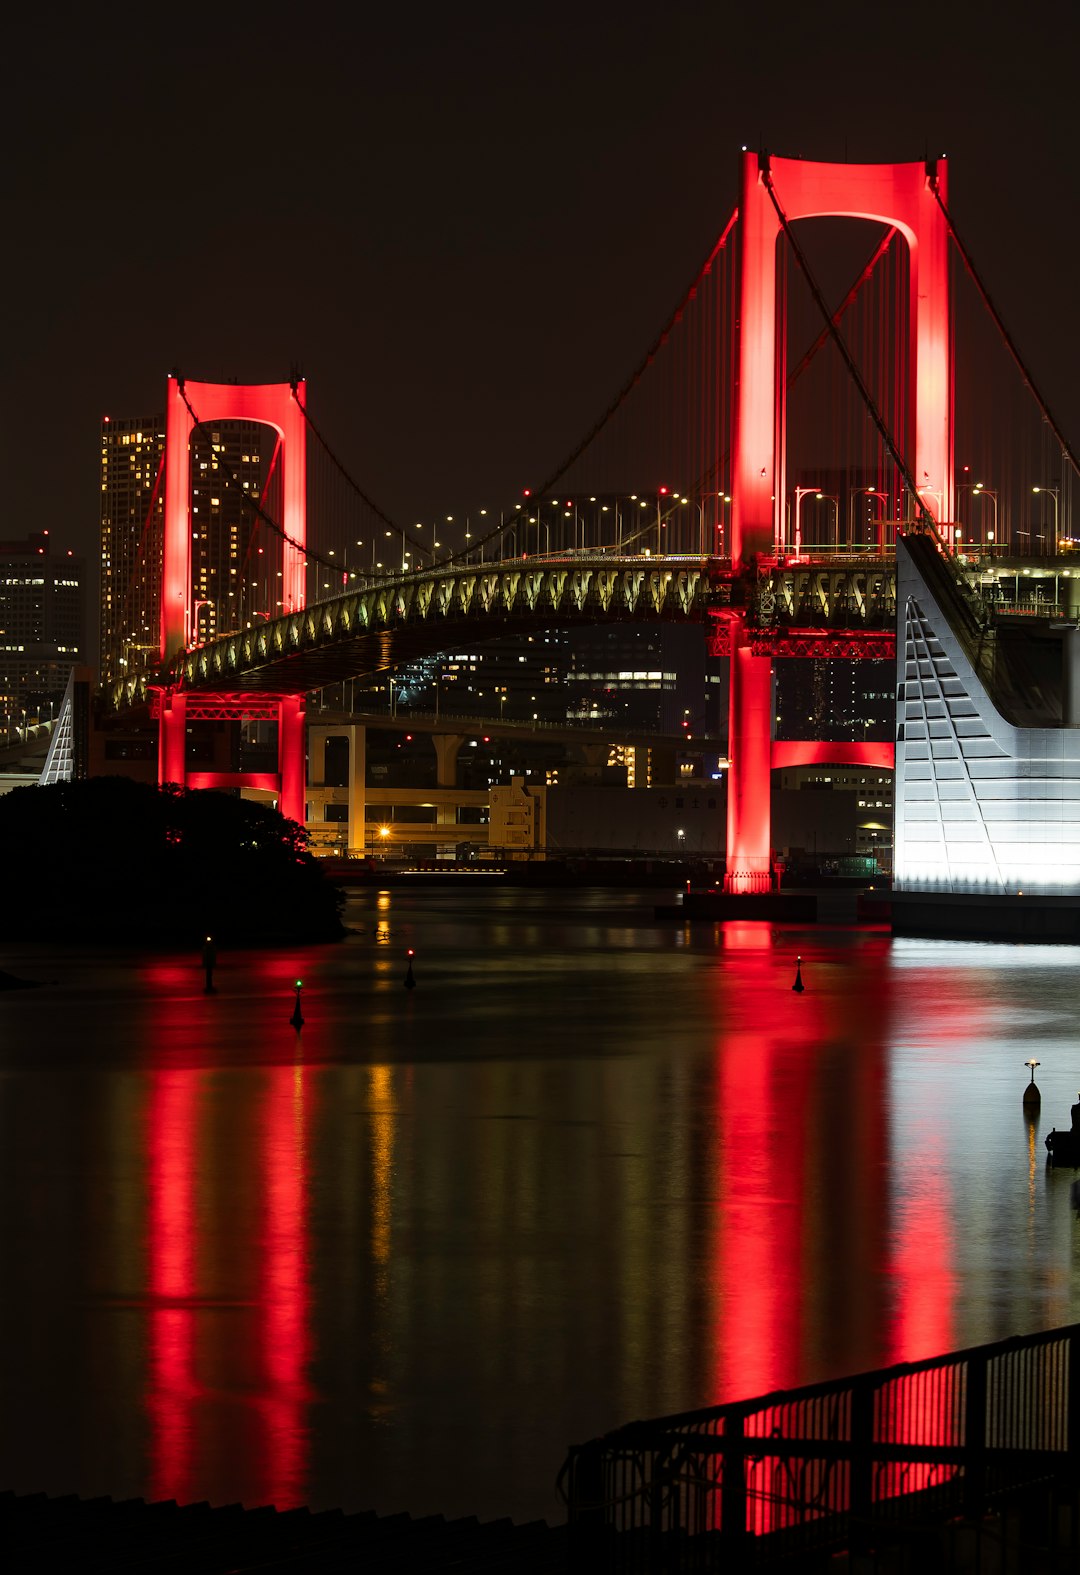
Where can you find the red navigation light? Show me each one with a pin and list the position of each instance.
(663, 492)
(408, 738)
(528, 492)
(486, 739)
(411, 952)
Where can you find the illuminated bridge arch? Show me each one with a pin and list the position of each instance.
(189, 404)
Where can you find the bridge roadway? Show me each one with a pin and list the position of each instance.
(829, 605)
(389, 622)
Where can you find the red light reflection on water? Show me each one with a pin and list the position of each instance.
(922, 1323)
(172, 1113)
(284, 1295)
(814, 1211)
(185, 1328)
(761, 1093)
(925, 1408)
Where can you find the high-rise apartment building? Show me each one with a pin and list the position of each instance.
(226, 466)
(132, 499)
(835, 700)
(42, 628)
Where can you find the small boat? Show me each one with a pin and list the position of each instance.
(1064, 1147)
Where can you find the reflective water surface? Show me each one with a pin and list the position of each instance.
(591, 1168)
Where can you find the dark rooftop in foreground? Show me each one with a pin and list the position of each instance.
(38, 1532)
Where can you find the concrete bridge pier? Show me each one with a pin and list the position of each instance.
(319, 733)
(447, 749)
(291, 758)
(172, 739)
(749, 826)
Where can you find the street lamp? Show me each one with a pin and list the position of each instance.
(979, 491)
(867, 492)
(193, 633)
(800, 493)
(1053, 491)
(830, 497)
(723, 501)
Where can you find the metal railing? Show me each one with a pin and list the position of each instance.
(798, 1476)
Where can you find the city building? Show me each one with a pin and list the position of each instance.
(226, 468)
(838, 701)
(828, 816)
(42, 630)
(645, 677)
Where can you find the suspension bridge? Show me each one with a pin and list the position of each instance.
(805, 407)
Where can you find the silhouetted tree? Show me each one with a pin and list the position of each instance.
(111, 858)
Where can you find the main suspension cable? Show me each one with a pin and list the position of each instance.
(1010, 343)
(646, 362)
(365, 499)
(307, 553)
(620, 398)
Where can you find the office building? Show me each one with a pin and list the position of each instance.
(42, 629)
(840, 701)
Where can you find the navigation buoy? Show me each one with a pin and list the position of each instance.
(297, 1018)
(209, 958)
(798, 986)
(1032, 1097)
(408, 981)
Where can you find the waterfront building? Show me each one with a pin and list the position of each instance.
(987, 765)
(42, 629)
(838, 818)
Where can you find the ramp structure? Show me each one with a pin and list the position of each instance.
(986, 806)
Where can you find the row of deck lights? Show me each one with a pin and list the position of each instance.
(671, 499)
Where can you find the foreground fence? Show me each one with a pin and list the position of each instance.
(799, 1476)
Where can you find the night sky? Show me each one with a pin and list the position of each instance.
(465, 224)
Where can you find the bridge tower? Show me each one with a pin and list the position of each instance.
(189, 404)
(898, 194)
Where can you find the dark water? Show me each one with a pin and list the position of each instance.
(592, 1168)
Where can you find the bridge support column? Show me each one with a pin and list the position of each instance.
(172, 739)
(291, 759)
(357, 787)
(749, 819)
(447, 749)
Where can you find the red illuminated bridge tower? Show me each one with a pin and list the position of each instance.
(896, 194)
(275, 405)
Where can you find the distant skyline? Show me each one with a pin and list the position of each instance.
(465, 227)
